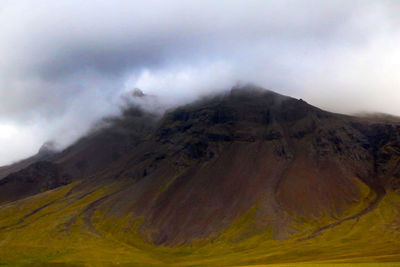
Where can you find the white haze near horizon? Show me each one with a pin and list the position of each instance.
(64, 64)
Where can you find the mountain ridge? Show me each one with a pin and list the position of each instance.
(292, 170)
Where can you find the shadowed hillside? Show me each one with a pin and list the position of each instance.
(247, 177)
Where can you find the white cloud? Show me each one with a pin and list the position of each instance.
(18, 142)
(182, 84)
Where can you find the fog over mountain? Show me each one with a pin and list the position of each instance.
(65, 64)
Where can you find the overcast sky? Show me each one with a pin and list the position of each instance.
(64, 64)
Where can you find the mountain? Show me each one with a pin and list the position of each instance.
(245, 177)
(43, 154)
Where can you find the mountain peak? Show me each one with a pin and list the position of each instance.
(138, 93)
(48, 148)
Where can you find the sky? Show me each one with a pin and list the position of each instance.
(65, 64)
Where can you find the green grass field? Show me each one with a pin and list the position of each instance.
(50, 229)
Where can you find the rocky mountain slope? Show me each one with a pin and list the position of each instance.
(248, 174)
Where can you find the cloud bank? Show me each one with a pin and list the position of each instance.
(65, 64)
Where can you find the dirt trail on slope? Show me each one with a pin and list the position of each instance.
(380, 193)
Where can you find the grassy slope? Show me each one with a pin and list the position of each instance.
(51, 228)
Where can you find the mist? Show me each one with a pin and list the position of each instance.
(66, 64)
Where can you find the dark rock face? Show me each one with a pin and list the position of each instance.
(244, 115)
(40, 170)
(37, 177)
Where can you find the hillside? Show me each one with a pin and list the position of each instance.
(246, 177)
